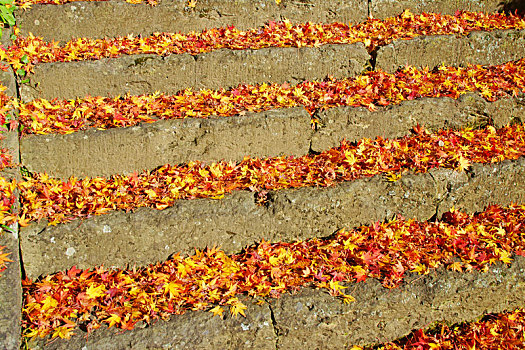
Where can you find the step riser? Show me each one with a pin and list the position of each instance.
(116, 18)
(141, 74)
(483, 48)
(145, 236)
(127, 150)
(279, 132)
(312, 319)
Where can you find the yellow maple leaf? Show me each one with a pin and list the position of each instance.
(49, 303)
(113, 319)
(151, 193)
(456, 266)
(217, 311)
(504, 255)
(393, 177)
(95, 292)
(463, 164)
(62, 332)
(236, 307)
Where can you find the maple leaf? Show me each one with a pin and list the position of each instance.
(113, 319)
(236, 307)
(504, 256)
(393, 177)
(217, 311)
(456, 266)
(360, 273)
(463, 164)
(49, 303)
(64, 332)
(94, 292)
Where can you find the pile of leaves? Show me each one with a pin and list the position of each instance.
(7, 202)
(5, 158)
(7, 122)
(61, 201)
(369, 90)
(504, 331)
(59, 303)
(30, 50)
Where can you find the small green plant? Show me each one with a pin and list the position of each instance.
(7, 8)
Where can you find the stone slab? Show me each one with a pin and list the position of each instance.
(120, 239)
(11, 278)
(117, 18)
(389, 8)
(267, 134)
(142, 74)
(192, 330)
(397, 120)
(479, 47)
(147, 146)
(312, 319)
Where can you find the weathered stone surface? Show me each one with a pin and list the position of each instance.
(126, 150)
(140, 74)
(390, 8)
(145, 236)
(313, 319)
(495, 184)
(7, 78)
(10, 279)
(395, 121)
(272, 133)
(118, 18)
(10, 292)
(484, 48)
(193, 330)
(506, 111)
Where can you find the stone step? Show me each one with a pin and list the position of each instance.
(267, 134)
(313, 319)
(142, 74)
(119, 239)
(99, 19)
(113, 18)
(478, 47)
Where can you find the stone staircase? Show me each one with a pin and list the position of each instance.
(310, 318)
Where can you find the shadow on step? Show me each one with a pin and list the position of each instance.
(512, 6)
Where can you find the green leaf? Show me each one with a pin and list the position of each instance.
(7, 228)
(7, 16)
(10, 19)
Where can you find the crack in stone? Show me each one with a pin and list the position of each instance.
(274, 326)
(439, 200)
